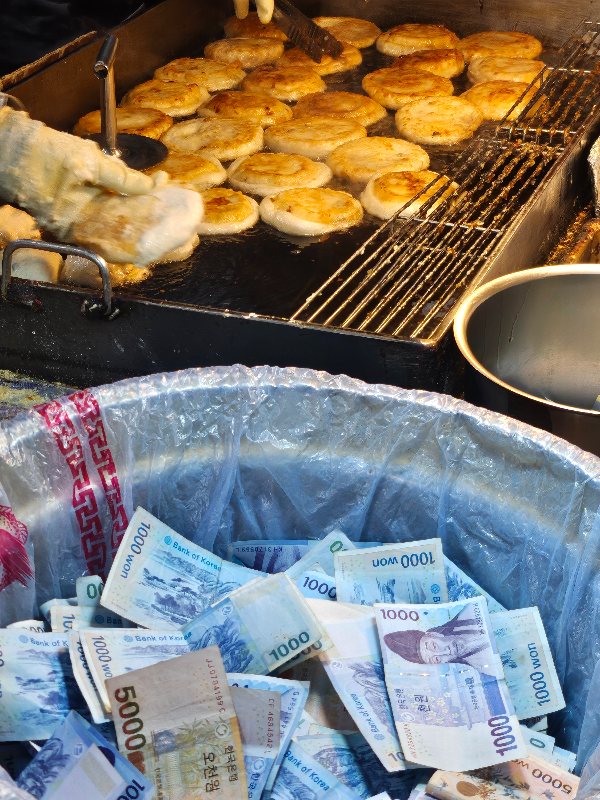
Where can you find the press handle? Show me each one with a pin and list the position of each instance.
(104, 71)
(64, 250)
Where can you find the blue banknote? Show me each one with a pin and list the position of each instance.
(411, 572)
(351, 759)
(276, 555)
(113, 652)
(259, 627)
(293, 698)
(320, 557)
(159, 579)
(528, 665)
(37, 686)
(355, 667)
(301, 777)
(317, 585)
(269, 556)
(446, 685)
(461, 587)
(78, 762)
(85, 681)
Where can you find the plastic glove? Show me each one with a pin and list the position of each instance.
(264, 8)
(72, 189)
(54, 175)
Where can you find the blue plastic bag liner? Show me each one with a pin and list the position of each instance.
(232, 453)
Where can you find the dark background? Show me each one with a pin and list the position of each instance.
(31, 28)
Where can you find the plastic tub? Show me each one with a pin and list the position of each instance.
(236, 453)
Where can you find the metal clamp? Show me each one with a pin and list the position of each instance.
(104, 71)
(64, 250)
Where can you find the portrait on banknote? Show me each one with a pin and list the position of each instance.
(461, 640)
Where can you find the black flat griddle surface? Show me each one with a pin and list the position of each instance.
(265, 272)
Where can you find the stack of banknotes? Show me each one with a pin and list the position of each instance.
(292, 670)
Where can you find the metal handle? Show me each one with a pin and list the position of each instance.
(64, 250)
(13, 102)
(104, 71)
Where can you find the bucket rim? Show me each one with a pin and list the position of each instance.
(482, 293)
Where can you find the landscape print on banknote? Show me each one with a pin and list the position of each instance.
(176, 599)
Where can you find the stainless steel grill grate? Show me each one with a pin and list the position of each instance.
(409, 275)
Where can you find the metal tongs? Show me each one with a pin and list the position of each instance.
(303, 32)
(138, 152)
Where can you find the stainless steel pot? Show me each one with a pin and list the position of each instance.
(532, 343)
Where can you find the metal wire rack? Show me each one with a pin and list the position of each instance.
(408, 276)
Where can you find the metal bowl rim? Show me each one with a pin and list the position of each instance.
(476, 298)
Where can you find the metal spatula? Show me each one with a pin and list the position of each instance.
(302, 31)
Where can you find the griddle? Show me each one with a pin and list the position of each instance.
(262, 297)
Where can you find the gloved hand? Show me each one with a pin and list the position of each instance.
(76, 192)
(54, 175)
(264, 8)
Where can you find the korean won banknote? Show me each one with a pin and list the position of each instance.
(37, 685)
(269, 556)
(355, 667)
(85, 681)
(446, 685)
(528, 664)
(259, 627)
(113, 652)
(258, 712)
(65, 618)
(352, 761)
(293, 697)
(320, 558)
(301, 777)
(412, 572)
(461, 587)
(160, 579)
(176, 722)
(78, 762)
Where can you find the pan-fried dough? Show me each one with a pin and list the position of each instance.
(227, 212)
(357, 32)
(191, 170)
(175, 99)
(313, 137)
(445, 63)
(246, 52)
(16, 224)
(78, 271)
(411, 37)
(500, 68)
(222, 138)
(395, 87)
(438, 120)
(311, 212)
(363, 159)
(251, 106)
(270, 173)
(252, 27)
(495, 98)
(343, 105)
(284, 83)
(182, 252)
(351, 57)
(385, 195)
(511, 44)
(213, 75)
(141, 121)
